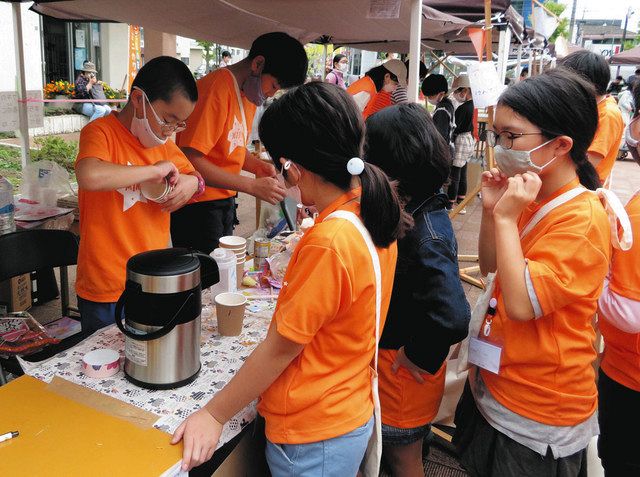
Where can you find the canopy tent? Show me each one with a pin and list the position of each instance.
(627, 57)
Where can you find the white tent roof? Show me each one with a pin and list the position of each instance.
(239, 22)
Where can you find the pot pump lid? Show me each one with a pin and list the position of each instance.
(163, 263)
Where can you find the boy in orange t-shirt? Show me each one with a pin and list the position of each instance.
(217, 133)
(116, 154)
(603, 150)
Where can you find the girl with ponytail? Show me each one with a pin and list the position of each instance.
(529, 407)
(312, 372)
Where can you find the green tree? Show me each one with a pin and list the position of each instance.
(209, 47)
(563, 26)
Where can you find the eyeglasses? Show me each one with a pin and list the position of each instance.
(166, 128)
(505, 138)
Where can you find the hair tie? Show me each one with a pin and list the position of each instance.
(355, 166)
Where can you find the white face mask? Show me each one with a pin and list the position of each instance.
(344, 67)
(390, 87)
(512, 162)
(141, 129)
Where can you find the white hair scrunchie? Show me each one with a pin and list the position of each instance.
(355, 166)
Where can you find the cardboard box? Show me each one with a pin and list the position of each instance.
(15, 293)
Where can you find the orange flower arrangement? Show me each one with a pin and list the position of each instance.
(60, 87)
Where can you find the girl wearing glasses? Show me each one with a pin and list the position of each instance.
(529, 406)
(117, 153)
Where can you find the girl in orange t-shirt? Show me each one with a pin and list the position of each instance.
(619, 321)
(312, 372)
(529, 406)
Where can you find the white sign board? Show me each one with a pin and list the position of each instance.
(9, 119)
(486, 86)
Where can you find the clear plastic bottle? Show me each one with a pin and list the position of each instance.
(7, 208)
(226, 261)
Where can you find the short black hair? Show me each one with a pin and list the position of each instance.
(403, 141)
(225, 53)
(422, 69)
(619, 78)
(525, 71)
(638, 71)
(434, 84)
(592, 66)
(163, 76)
(284, 58)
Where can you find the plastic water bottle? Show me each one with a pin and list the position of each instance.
(7, 209)
(226, 261)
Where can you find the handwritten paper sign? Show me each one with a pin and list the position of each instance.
(384, 9)
(485, 84)
(9, 119)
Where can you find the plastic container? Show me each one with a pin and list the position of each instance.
(226, 261)
(7, 208)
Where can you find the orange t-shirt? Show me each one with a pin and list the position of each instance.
(328, 304)
(215, 127)
(608, 136)
(546, 371)
(116, 224)
(364, 85)
(621, 360)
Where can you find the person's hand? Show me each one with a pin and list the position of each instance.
(166, 170)
(402, 361)
(182, 192)
(494, 183)
(200, 433)
(521, 191)
(264, 169)
(268, 189)
(93, 80)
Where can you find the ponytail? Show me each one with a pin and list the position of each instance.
(319, 126)
(587, 173)
(381, 208)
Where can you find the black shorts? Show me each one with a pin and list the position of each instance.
(199, 226)
(619, 418)
(484, 451)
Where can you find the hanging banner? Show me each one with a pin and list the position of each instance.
(544, 23)
(485, 84)
(477, 38)
(135, 53)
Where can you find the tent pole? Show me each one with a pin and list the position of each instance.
(414, 50)
(503, 52)
(324, 61)
(21, 85)
(489, 53)
(519, 63)
(531, 55)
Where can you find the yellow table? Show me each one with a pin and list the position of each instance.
(61, 436)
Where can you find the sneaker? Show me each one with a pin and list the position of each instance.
(463, 211)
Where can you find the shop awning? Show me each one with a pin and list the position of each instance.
(628, 57)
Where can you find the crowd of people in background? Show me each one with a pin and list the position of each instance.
(381, 261)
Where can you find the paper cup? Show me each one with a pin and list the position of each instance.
(230, 313)
(101, 363)
(239, 273)
(155, 191)
(233, 242)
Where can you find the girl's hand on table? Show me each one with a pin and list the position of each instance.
(200, 433)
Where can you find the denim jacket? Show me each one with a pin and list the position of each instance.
(428, 311)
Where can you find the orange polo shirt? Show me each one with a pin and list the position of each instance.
(215, 127)
(546, 371)
(606, 142)
(621, 360)
(117, 224)
(327, 303)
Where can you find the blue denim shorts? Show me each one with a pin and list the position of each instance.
(340, 456)
(95, 315)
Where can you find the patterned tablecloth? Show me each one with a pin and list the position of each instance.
(221, 358)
